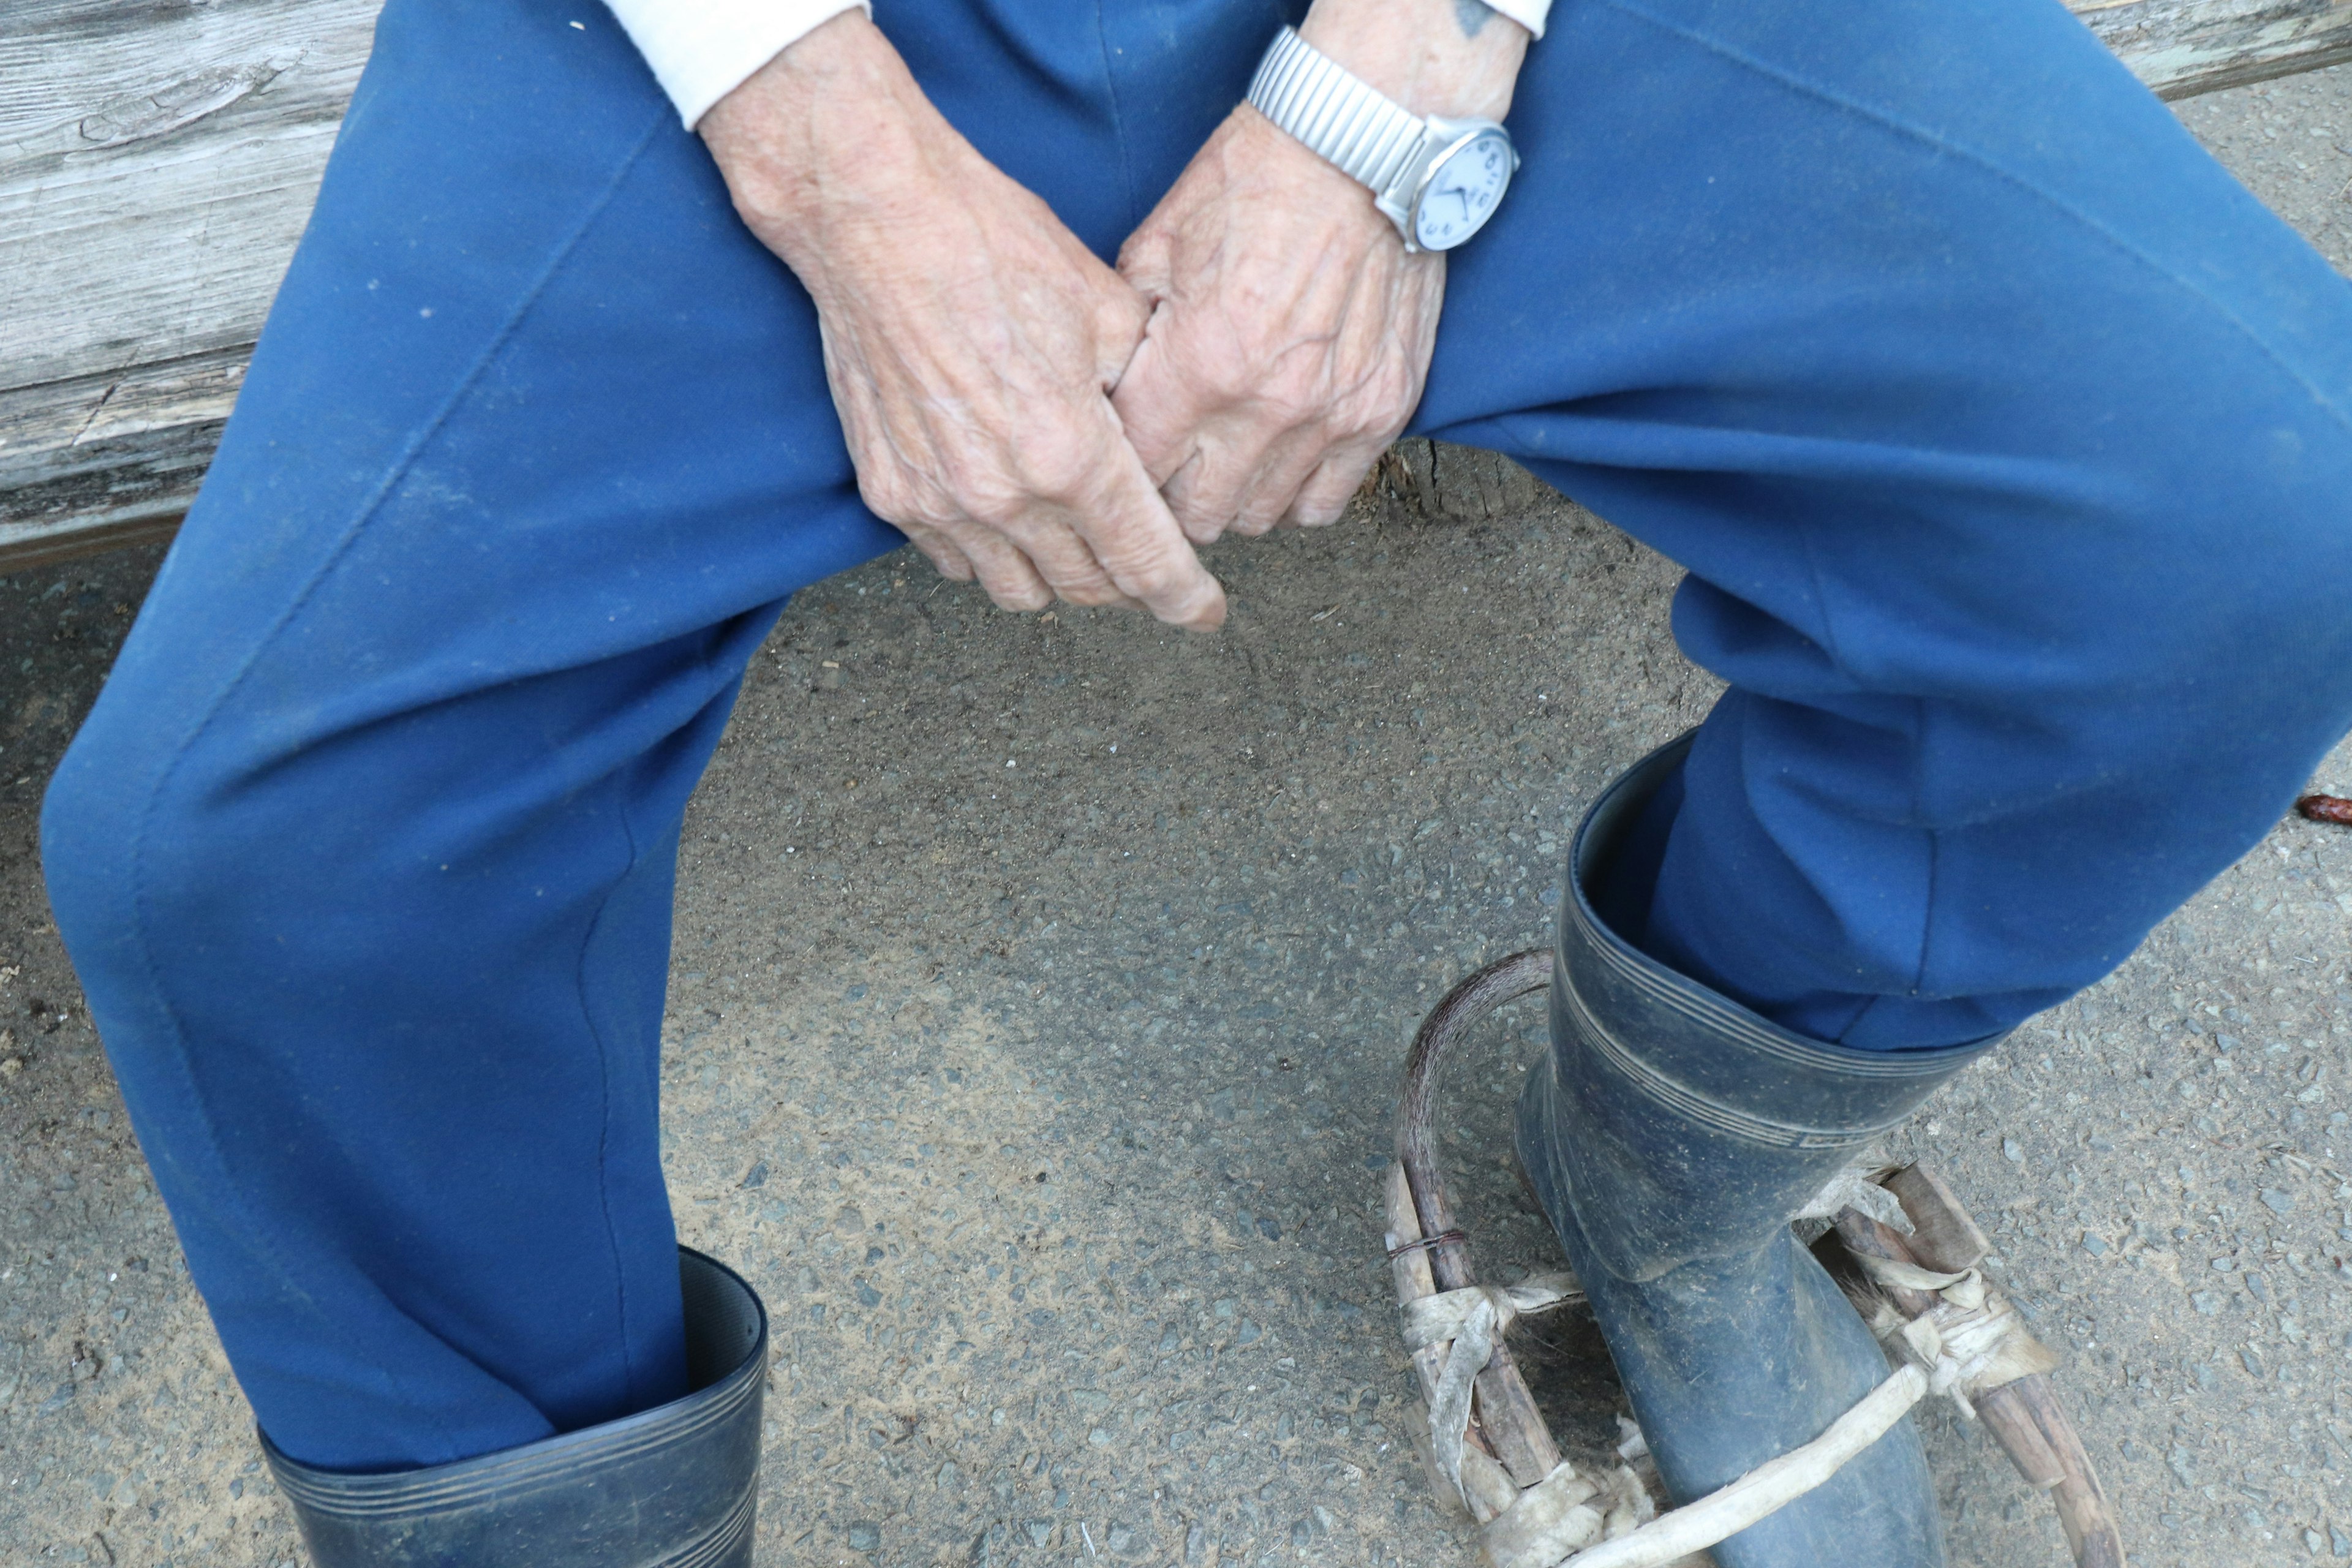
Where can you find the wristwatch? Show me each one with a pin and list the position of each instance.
(1438, 180)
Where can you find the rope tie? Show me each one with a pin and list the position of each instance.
(1470, 1323)
(1971, 1342)
(1564, 1514)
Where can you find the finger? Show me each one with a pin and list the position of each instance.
(1243, 478)
(1201, 525)
(1047, 534)
(1229, 454)
(1005, 572)
(1144, 261)
(1122, 316)
(1323, 498)
(1282, 473)
(1157, 415)
(1134, 535)
(941, 552)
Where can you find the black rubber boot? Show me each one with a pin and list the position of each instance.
(673, 1487)
(1672, 1135)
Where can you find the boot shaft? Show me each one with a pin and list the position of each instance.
(1685, 1125)
(674, 1486)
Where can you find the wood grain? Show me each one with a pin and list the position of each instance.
(158, 160)
(157, 163)
(2182, 47)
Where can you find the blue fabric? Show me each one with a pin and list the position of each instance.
(2005, 437)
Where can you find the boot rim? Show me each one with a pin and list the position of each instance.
(563, 1460)
(1702, 1004)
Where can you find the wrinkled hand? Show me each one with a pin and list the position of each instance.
(1289, 336)
(970, 339)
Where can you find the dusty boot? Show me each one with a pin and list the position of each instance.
(1670, 1135)
(674, 1486)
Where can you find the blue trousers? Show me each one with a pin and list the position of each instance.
(2007, 443)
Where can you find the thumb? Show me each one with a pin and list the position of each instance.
(1156, 419)
(1145, 262)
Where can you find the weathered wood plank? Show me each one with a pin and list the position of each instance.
(103, 461)
(157, 163)
(158, 160)
(2182, 47)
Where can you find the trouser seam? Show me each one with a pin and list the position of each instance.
(604, 1099)
(1118, 122)
(719, 680)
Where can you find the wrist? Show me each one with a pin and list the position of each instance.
(834, 122)
(1451, 58)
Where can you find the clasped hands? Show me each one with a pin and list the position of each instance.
(1055, 428)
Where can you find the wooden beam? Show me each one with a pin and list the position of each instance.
(2183, 47)
(157, 164)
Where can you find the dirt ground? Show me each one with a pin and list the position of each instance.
(1039, 993)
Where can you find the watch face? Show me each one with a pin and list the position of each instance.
(1462, 191)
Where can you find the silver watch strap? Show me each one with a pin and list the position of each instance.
(1368, 136)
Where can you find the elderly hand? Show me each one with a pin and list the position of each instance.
(1290, 332)
(970, 339)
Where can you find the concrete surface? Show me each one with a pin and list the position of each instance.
(1039, 991)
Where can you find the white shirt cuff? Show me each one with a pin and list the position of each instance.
(1527, 13)
(701, 50)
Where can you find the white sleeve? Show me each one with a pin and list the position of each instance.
(1527, 13)
(701, 50)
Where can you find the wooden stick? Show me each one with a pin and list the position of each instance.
(2023, 1416)
(1505, 1410)
(1486, 1486)
(1943, 1236)
(2002, 1410)
(2084, 1510)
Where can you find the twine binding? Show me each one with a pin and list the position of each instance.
(1948, 1331)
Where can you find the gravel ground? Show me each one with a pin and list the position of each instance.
(1039, 993)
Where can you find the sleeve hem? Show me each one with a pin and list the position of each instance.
(701, 50)
(1528, 14)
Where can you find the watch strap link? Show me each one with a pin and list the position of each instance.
(1350, 124)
